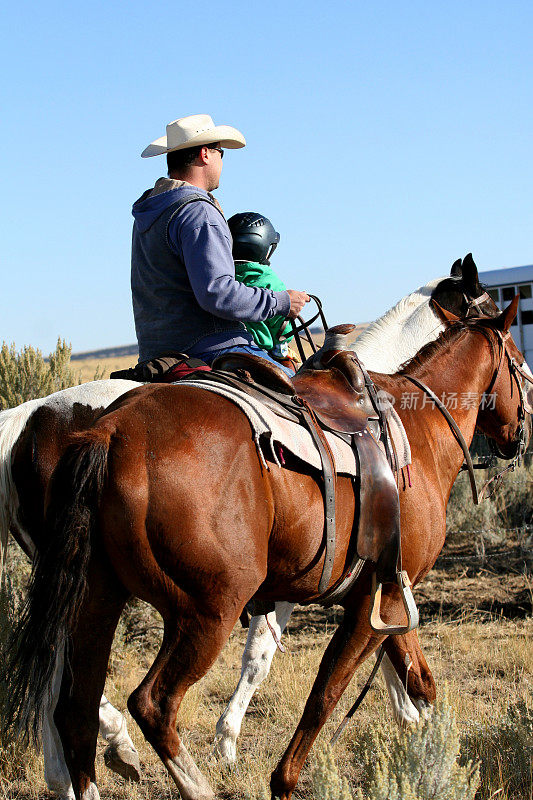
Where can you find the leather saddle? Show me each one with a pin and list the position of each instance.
(333, 389)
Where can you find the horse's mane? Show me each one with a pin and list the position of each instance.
(441, 343)
(381, 346)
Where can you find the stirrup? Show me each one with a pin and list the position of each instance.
(376, 623)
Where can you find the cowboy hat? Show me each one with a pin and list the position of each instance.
(194, 131)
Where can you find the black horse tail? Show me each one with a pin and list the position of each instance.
(58, 584)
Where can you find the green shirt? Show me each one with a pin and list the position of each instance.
(250, 273)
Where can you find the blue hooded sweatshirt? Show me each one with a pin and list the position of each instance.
(185, 295)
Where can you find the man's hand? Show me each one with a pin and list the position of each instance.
(298, 301)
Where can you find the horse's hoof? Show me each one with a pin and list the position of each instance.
(124, 760)
(228, 767)
(225, 750)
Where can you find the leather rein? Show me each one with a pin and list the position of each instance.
(514, 370)
(305, 327)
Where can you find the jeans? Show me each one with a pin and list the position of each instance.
(243, 348)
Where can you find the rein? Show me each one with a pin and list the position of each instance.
(305, 327)
(455, 430)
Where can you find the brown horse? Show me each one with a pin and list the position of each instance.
(165, 498)
(34, 435)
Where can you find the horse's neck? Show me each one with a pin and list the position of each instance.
(451, 376)
(398, 335)
(463, 366)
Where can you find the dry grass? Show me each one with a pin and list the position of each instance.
(86, 368)
(486, 662)
(487, 666)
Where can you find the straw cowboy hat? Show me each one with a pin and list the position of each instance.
(193, 132)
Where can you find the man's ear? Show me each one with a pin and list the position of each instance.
(444, 314)
(504, 321)
(456, 270)
(470, 276)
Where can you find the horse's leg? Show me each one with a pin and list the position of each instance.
(120, 755)
(77, 712)
(256, 661)
(351, 644)
(403, 710)
(404, 666)
(191, 643)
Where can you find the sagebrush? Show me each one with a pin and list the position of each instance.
(421, 763)
(327, 783)
(27, 375)
(505, 750)
(509, 506)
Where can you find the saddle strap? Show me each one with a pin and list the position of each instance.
(383, 424)
(328, 471)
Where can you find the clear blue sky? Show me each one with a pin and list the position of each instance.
(385, 140)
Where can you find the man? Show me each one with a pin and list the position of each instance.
(185, 296)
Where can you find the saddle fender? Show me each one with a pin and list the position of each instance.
(378, 533)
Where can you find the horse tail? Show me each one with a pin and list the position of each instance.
(12, 423)
(58, 583)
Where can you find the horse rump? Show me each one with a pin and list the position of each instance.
(57, 586)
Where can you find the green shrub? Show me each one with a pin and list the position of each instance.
(327, 783)
(509, 507)
(505, 750)
(7, 616)
(12, 758)
(418, 764)
(26, 375)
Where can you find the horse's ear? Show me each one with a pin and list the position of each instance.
(504, 321)
(470, 275)
(444, 314)
(456, 270)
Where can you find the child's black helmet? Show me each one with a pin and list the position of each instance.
(254, 237)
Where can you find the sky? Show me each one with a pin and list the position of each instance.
(385, 140)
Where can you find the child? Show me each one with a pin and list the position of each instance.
(254, 241)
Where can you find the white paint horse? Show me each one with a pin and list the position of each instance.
(21, 511)
(33, 435)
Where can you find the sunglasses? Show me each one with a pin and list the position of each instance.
(220, 150)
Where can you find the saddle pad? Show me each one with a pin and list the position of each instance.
(269, 430)
(399, 437)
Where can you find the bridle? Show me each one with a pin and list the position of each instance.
(515, 370)
(473, 304)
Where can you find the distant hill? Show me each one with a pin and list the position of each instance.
(107, 352)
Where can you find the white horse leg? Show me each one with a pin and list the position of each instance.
(404, 712)
(120, 755)
(56, 773)
(91, 793)
(256, 661)
(424, 708)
